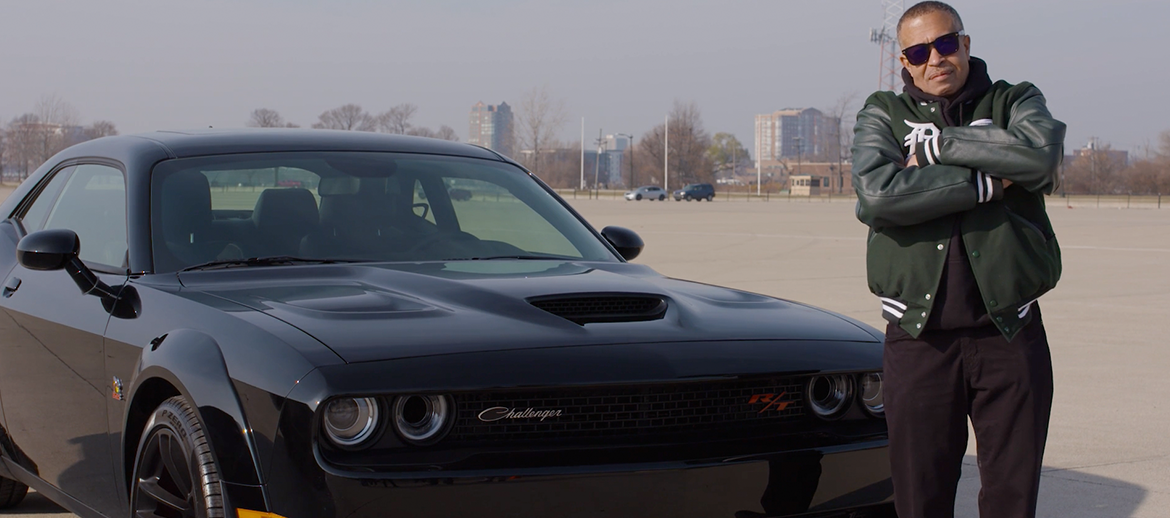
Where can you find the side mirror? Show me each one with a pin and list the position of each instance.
(48, 249)
(626, 241)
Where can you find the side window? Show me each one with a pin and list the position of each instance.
(93, 204)
(34, 217)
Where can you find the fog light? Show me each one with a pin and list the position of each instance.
(828, 396)
(351, 421)
(871, 394)
(421, 419)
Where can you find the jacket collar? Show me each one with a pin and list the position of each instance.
(978, 83)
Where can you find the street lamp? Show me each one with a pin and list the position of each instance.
(631, 148)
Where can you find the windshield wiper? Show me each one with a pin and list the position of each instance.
(275, 260)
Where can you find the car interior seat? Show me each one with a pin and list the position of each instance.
(283, 217)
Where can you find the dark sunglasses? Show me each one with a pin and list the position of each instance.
(946, 45)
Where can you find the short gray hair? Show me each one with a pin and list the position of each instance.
(929, 7)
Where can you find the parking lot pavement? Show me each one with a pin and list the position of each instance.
(1108, 452)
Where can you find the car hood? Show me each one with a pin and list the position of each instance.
(369, 312)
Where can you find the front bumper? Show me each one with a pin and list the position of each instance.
(843, 481)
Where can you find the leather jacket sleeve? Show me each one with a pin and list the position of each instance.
(891, 194)
(1028, 152)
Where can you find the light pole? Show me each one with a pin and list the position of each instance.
(597, 163)
(631, 148)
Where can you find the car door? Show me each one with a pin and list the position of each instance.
(52, 373)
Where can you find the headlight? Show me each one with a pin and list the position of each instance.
(422, 419)
(351, 421)
(828, 396)
(871, 394)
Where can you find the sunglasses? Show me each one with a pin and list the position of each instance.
(946, 45)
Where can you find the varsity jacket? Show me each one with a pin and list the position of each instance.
(1006, 133)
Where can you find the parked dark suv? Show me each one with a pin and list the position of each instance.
(695, 191)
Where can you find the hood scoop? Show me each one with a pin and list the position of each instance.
(588, 308)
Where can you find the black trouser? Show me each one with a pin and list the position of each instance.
(933, 383)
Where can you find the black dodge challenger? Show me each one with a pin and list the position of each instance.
(303, 323)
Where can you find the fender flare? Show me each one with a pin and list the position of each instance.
(191, 361)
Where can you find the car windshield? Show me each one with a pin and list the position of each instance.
(356, 206)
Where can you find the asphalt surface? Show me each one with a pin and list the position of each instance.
(1108, 451)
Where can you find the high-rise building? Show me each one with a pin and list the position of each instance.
(795, 134)
(491, 127)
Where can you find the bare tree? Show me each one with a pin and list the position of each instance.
(265, 118)
(447, 133)
(541, 118)
(396, 120)
(101, 129)
(689, 143)
(842, 116)
(350, 117)
(24, 143)
(421, 132)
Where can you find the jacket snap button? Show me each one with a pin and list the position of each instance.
(975, 254)
(940, 247)
(919, 326)
(923, 314)
(993, 303)
(999, 319)
(927, 296)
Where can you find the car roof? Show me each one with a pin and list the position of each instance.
(183, 144)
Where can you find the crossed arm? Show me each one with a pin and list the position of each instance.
(895, 191)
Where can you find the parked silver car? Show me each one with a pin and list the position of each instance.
(649, 192)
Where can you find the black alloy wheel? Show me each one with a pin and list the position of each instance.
(638, 197)
(661, 197)
(175, 474)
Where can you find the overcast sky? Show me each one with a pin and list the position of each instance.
(157, 64)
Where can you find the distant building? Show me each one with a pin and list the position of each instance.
(491, 127)
(1095, 147)
(795, 134)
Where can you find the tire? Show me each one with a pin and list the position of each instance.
(11, 492)
(174, 464)
(688, 197)
(661, 197)
(710, 197)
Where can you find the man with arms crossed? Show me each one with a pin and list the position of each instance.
(950, 177)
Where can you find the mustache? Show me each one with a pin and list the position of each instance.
(940, 71)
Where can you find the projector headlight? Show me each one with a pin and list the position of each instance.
(828, 396)
(351, 421)
(871, 394)
(422, 419)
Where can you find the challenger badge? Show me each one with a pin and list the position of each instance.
(497, 413)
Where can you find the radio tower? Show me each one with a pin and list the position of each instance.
(887, 40)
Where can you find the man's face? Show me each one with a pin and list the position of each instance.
(940, 75)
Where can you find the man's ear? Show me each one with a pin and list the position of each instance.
(905, 62)
(967, 44)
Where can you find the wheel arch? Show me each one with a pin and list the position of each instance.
(189, 363)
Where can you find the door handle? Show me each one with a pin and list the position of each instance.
(11, 286)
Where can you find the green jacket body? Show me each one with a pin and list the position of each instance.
(1007, 134)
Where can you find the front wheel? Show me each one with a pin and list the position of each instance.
(638, 197)
(661, 197)
(11, 492)
(175, 473)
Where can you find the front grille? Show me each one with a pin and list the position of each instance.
(603, 308)
(636, 413)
